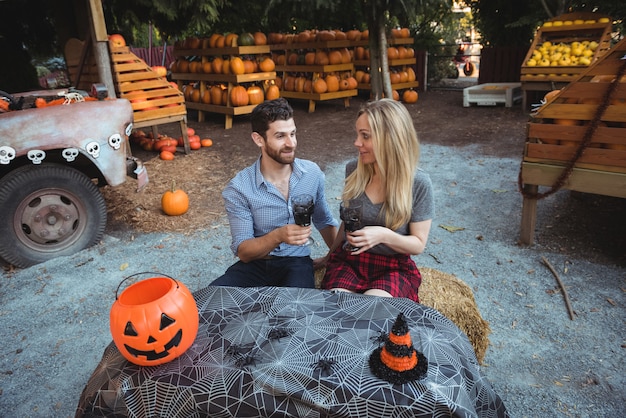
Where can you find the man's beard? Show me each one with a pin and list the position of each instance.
(277, 156)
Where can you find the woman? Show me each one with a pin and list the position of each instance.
(398, 208)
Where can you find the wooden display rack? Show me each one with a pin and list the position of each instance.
(154, 100)
(316, 70)
(392, 63)
(546, 78)
(557, 131)
(230, 79)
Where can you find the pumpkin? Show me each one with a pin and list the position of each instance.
(174, 202)
(154, 321)
(259, 38)
(248, 66)
(217, 64)
(236, 66)
(334, 57)
(319, 86)
(255, 95)
(165, 155)
(206, 142)
(117, 40)
(267, 65)
(160, 70)
(39, 102)
(239, 96)
(245, 39)
(231, 40)
(272, 93)
(332, 82)
(409, 96)
(216, 95)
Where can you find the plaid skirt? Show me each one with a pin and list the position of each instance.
(396, 274)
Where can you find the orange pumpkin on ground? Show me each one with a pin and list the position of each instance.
(174, 202)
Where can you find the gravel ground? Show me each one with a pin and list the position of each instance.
(542, 363)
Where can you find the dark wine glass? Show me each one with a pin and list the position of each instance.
(303, 207)
(351, 213)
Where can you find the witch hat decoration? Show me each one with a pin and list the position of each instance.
(397, 361)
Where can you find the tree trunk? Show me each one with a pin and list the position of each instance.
(379, 68)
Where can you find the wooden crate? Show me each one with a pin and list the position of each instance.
(556, 133)
(155, 100)
(540, 78)
(80, 60)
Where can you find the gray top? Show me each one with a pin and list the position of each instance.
(423, 206)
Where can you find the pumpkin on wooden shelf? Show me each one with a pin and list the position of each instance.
(320, 86)
(409, 96)
(272, 93)
(259, 38)
(231, 40)
(239, 96)
(267, 65)
(246, 39)
(117, 40)
(216, 94)
(255, 95)
(217, 64)
(236, 66)
(332, 82)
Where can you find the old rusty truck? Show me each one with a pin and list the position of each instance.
(53, 160)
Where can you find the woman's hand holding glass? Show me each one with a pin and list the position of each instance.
(351, 213)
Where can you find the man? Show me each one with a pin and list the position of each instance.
(270, 246)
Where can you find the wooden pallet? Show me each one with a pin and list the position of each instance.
(557, 131)
(155, 100)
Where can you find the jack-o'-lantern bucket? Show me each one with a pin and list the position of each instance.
(154, 320)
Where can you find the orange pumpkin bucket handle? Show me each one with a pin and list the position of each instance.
(117, 291)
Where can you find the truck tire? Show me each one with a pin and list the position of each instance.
(46, 211)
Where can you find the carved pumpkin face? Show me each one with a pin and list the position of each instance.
(154, 321)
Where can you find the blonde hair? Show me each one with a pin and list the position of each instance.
(397, 150)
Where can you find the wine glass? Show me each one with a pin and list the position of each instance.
(303, 207)
(351, 213)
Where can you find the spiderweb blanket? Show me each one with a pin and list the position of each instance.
(287, 352)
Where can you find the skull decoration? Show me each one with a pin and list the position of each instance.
(36, 155)
(70, 154)
(7, 153)
(129, 129)
(93, 149)
(154, 321)
(115, 141)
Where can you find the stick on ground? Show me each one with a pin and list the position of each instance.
(558, 279)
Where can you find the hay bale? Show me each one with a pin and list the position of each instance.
(454, 299)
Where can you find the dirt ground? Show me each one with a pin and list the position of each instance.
(325, 136)
(439, 115)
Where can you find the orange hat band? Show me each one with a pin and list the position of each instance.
(399, 364)
(401, 339)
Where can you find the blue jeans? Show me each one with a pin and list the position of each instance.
(273, 271)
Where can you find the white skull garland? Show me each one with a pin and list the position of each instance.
(36, 155)
(70, 154)
(93, 149)
(7, 153)
(115, 141)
